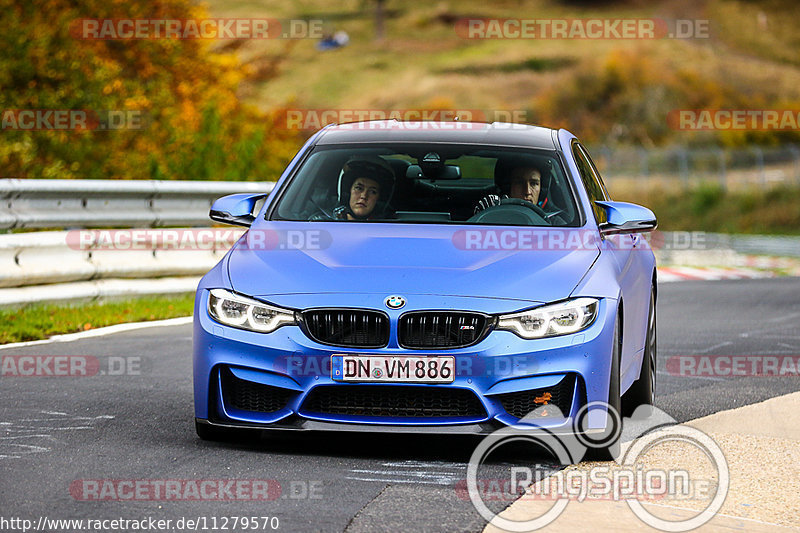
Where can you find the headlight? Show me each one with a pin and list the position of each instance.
(241, 312)
(551, 320)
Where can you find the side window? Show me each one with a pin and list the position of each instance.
(595, 172)
(591, 180)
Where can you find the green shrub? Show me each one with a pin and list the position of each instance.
(194, 125)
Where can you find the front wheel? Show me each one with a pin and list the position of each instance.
(606, 446)
(643, 390)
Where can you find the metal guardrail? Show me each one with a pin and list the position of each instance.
(43, 203)
(766, 245)
(47, 257)
(48, 266)
(704, 249)
(751, 166)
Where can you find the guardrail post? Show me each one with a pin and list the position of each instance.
(762, 176)
(723, 178)
(644, 162)
(683, 166)
(796, 159)
(609, 157)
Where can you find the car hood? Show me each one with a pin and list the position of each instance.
(284, 258)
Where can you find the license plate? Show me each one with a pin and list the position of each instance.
(397, 369)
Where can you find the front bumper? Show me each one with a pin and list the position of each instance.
(498, 371)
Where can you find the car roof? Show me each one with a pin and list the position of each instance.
(495, 134)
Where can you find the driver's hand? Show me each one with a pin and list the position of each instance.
(490, 200)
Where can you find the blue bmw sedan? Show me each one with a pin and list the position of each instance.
(428, 277)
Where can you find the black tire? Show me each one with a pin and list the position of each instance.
(610, 448)
(614, 399)
(643, 390)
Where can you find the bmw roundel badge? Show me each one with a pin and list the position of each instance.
(395, 302)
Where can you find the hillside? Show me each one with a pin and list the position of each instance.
(611, 90)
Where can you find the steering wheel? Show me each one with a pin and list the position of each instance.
(525, 203)
(512, 211)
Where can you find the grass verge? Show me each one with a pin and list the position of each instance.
(40, 321)
(709, 207)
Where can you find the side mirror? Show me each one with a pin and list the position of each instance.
(623, 217)
(237, 209)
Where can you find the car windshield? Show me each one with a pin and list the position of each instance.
(430, 183)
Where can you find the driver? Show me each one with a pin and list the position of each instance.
(365, 186)
(525, 180)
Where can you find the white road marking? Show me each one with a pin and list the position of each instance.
(412, 471)
(28, 429)
(30, 448)
(708, 378)
(712, 348)
(99, 332)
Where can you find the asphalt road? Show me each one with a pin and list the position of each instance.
(136, 423)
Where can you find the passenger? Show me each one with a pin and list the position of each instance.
(364, 194)
(366, 186)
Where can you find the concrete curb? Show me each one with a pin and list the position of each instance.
(689, 273)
